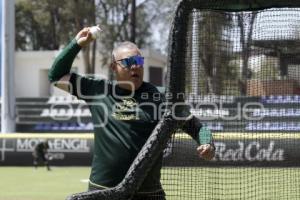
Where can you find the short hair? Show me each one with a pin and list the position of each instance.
(123, 45)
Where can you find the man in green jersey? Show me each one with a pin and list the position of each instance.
(124, 113)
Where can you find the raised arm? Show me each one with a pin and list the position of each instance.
(60, 70)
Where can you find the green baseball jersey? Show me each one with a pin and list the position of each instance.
(123, 121)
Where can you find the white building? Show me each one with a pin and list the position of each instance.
(31, 71)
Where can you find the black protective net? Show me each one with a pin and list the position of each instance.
(240, 73)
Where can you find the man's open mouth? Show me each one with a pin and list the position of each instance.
(135, 76)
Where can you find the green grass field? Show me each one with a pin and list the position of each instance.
(26, 183)
(232, 183)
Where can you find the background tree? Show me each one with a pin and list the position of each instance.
(215, 50)
(245, 21)
(266, 69)
(114, 18)
(49, 24)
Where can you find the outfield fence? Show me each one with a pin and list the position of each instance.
(232, 149)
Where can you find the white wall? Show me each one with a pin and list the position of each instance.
(154, 59)
(293, 72)
(31, 68)
(28, 66)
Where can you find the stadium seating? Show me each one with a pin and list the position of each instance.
(277, 112)
(280, 99)
(64, 126)
(63, 114)
(64, 100)
(215, 126)
(53, 112)
(273, 126)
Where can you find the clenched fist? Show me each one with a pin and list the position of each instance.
(206, 151)
(84, 37)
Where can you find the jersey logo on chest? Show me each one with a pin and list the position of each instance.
(127, 109)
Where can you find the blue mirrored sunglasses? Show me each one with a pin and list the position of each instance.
(134, 60)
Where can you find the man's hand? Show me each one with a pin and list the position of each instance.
(206, 151)
(84, 37)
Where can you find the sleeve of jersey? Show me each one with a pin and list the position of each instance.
(192, 127)
(63, 62)
(87, 88)
(198, 132)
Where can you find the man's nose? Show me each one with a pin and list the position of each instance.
(134, 66)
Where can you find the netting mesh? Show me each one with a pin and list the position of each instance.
(240, 72)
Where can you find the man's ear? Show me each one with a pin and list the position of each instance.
(113, 66)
